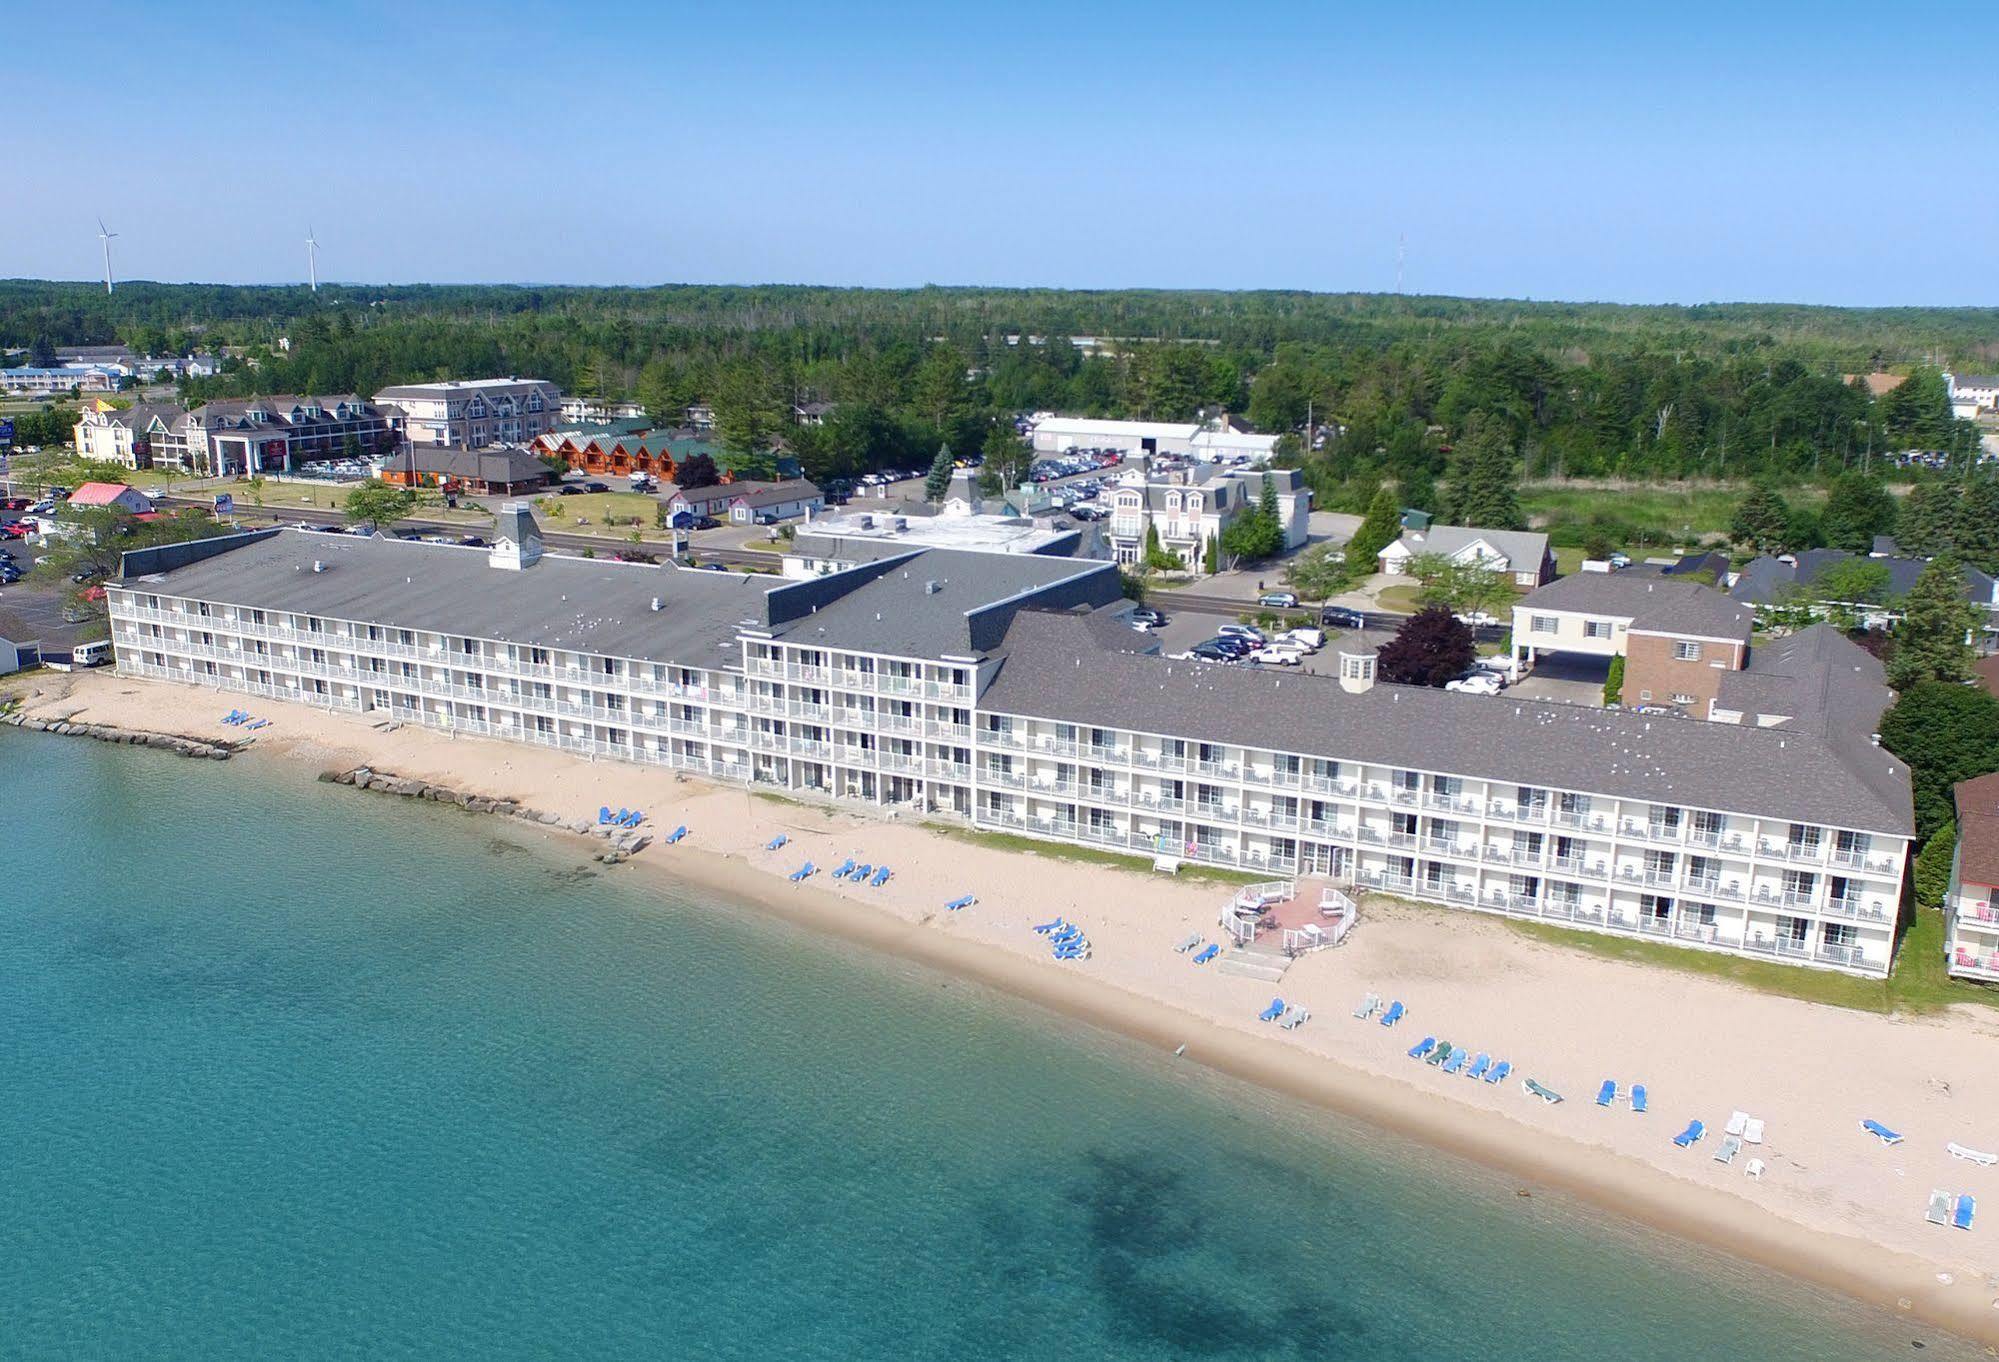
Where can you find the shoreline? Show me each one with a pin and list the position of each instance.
(1847, 1259)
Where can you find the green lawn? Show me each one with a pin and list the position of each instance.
(1400, 599)
(1918, 983)
(1641, 517)
(598, 509)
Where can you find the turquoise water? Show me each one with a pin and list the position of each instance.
(287, 1070)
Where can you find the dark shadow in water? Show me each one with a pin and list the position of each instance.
(1165, 1281)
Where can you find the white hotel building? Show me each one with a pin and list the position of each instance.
(1006, 692)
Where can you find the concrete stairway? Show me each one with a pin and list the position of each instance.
(1253, 965)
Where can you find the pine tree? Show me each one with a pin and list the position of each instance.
(1762, 521)
(1927, 522)
(1975, 528)
(1484, 477)
(1382, 527)
(1856, 509)
(1930, 642)
(939, 480)
(1931, 875)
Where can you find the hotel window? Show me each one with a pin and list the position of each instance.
(1544, 624)
(1596, 628)
(1686, 651)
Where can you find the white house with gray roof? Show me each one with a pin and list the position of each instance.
(1521, 554)
(1004, 691)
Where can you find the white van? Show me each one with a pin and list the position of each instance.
(91, 654)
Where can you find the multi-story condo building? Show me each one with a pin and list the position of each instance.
(273, 434)
(1188, 508)
(1971, 906)
(138, 436)
(474, 412)
(1005, 691)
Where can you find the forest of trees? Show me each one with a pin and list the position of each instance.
(1373, 387)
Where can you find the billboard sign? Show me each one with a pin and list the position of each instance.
(225, 504)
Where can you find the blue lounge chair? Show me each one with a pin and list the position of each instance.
(1638, 1098)
(638, 817)
(1393, 1014)
(1210, 953)
(862, 871)
(1967, 1206)
(621, 815)
(1273, 1012)
(232, 716)
(1500, 1071)
(881, 876)
(1067, 934)
(1073, 953)
(1456, 1063)
(604, 814)
(1479, 1066)
(802, 872)
(1422, 1048)
(1045, 928)
(774, 843)
(1881, 1132)
(845, 866)
(1692, 1133)
(255, 724)
(676, 834)
(955, 904)
(1606, 1094)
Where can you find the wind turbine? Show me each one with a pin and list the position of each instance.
(311, 258)
(104, 235)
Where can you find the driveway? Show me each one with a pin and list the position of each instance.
(1571, 678)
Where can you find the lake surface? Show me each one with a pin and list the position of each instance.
(289, 1070)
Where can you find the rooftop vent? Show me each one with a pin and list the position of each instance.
(932, 587)
(318, 566)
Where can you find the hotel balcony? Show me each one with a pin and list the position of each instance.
(1972, 965)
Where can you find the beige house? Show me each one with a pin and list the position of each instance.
(472, 413)
(1520, 554)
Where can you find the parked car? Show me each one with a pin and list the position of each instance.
(596, 487)
(1276, 656)
(13, 503)
(1212, 652)
(1339, 617)
(1145, 614)
(1478, 683)
(1279, 600)
(568, 491)
(1234, 646)
(1311, 640)
(1479, 619)
(1620, 560)
(1246, 632)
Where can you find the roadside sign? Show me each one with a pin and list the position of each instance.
(6, 432)
(225, 504)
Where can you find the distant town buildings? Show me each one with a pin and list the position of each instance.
(1973, 395)
(1222, 439)
(277, 434)
(592, 410)
(472, 412)
(31, 381)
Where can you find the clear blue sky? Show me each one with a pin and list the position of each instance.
(1823, 152)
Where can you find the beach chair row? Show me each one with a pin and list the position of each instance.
(1066, 940)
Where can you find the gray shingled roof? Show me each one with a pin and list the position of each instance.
(1650, 601)
(1763, 581)
(1525, 550)
(1052, 669)
(595, 605)
(890, 606)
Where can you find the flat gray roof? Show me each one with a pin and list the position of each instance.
(1054, 669)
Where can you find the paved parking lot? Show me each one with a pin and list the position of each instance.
(1184, 630)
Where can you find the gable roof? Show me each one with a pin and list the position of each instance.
(99, 493)
(1977, 830)
(752, 494)
(1524, 550)
(1652, 603)
(1763, 581)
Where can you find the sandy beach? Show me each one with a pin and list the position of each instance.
(1834, 1205)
